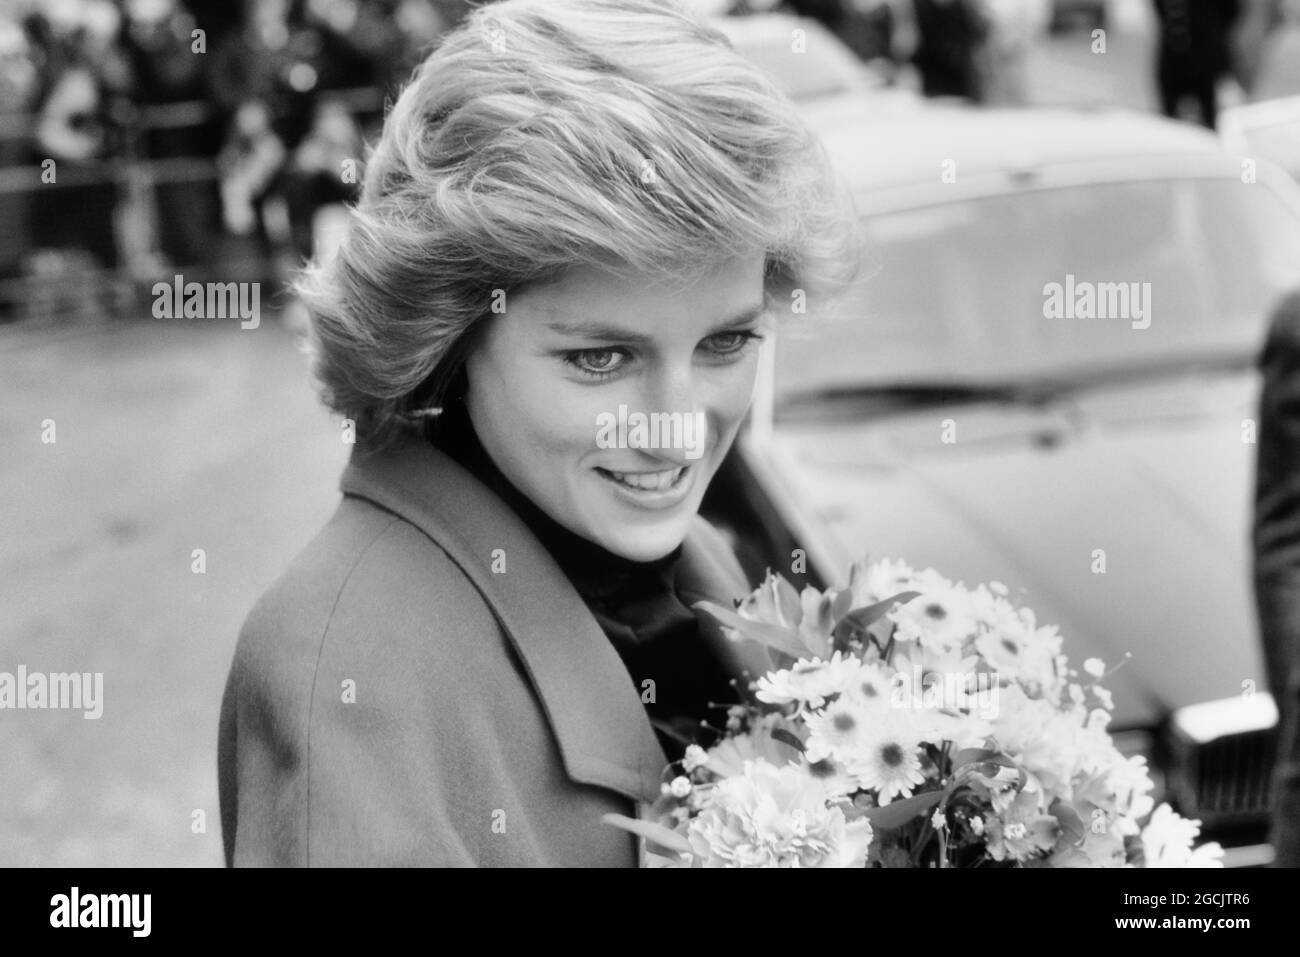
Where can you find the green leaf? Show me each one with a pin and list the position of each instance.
(860, 619)
(787, 599)
(785, 640)
(982, 756)
(970, 756)
(898, 813)
(978, 787)
(787, 737)
(652, 832)
(1068, 818)
(661, 725)
(842, 604)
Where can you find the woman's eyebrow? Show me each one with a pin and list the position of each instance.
(584, 330)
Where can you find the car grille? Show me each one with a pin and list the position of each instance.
(1225, 781)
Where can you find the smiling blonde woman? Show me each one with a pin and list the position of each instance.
(578, 209)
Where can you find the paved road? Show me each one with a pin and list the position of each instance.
(170, 437)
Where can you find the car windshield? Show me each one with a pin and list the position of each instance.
(828, 70)
(960, 293)
(1279, 141)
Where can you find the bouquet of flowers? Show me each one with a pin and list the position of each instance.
(915, 723)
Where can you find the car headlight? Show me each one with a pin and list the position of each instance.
(1240, 714)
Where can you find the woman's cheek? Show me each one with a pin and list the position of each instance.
(736, 390)
(549, 406)
(576, 418)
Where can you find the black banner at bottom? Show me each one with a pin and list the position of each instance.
(136, 907)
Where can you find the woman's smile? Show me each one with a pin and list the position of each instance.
(650, 489)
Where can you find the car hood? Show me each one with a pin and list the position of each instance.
(1155, 481)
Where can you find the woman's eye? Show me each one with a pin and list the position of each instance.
(729, 343)
(596, 362)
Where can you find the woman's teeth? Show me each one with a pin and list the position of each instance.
(648, 481)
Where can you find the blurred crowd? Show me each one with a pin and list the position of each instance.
(141, 135)
(979, 49)
(138, 136)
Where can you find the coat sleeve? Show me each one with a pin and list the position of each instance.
(345, 730)
(1277, 563)
(1276, 531)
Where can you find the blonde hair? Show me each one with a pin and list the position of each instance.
(543, 135)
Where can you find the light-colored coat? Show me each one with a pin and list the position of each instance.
(423, 686)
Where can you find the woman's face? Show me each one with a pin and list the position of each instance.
(610, 404)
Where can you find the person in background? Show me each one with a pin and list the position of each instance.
(83, 77)
(168, 74)
(1193, 53)
(1014, 26)
(317, 173)
(18, 88)
(1268, 49)
(870, 29)
(950, 34)
(1276, 541)
(248, 165)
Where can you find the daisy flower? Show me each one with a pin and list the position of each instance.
(837, 730)
(1025, 652)
(879, 580)
(887, 759)
(809, 682)
(941, 618)
(923, 677)
(871, 686)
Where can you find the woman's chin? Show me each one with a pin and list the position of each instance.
(645, 544)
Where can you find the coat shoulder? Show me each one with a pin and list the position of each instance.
(374, 646)
(367, 589)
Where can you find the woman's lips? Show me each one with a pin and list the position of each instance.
(658, 489)
(647, 481)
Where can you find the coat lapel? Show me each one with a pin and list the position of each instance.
(604, 735)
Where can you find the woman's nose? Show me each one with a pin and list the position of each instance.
(683, 432)
(672, 390)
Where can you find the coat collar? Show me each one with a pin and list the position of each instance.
(604, 735)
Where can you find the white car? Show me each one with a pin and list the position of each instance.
(804, 59)
(1267, 128)
(966, 409)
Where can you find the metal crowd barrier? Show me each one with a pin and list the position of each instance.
(37, 281)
